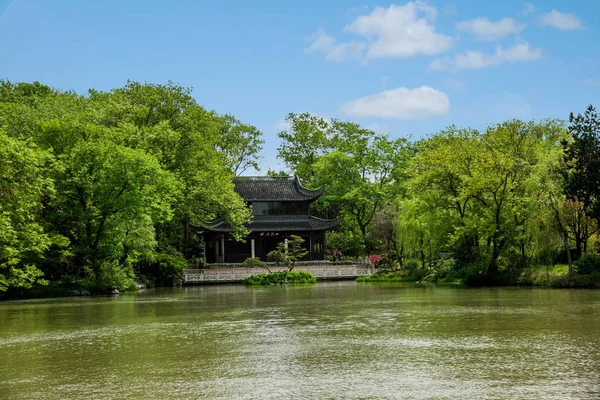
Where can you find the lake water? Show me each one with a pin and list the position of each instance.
(330, 340)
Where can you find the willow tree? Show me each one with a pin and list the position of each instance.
(486, 185)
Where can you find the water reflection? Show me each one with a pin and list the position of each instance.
(333, 340)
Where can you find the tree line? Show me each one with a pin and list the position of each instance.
(98, 190)
(495, 202)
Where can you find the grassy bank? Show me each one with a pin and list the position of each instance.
(556, 276)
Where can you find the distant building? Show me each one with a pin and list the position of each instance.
(281, 208)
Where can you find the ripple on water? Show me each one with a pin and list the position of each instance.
(347, 342)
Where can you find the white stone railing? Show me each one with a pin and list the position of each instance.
(239, 274)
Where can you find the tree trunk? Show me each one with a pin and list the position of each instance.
(400, 256)
(185, 225)
(492, 272)
(568, 250)
(421, 243)
(363, 232)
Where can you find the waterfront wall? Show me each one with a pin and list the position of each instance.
(227, 275)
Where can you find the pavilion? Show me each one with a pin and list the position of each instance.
(280, 208)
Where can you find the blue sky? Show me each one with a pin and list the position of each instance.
(406, 68)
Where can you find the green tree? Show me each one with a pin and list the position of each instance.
(24, 186)
(111, 198)
(583, 175)
(302, 143)
(484, 187)
(132, 167)
(165, 121)
(359, 173)
(240, 144)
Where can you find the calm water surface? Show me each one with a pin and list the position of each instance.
(331, 340)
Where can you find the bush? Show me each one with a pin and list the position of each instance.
(387, 261)
(111, 275)
(445, 268)
(411, 266)
(253, 263)
(163, 270)
(577, 281)
(587, 264)
(284, 277)
(387, 276)
(473, 274)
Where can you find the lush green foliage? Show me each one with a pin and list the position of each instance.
(591, 281)
(284, 277)
(388, 276)
(588, 264)
(100, 189)
(23, 189)
(494, 202)
(95, 187)
(161, 269)
(253, 263)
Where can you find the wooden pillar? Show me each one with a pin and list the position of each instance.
(216, 243)
(223, 246)
(322, 245)
(310, 248)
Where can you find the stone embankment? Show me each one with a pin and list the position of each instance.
(230, 275)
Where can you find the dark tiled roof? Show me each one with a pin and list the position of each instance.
(275, 224)
(268, 188)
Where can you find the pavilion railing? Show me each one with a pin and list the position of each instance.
(315, 263)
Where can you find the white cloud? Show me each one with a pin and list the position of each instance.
(476, 59)
(401, 103)
(484, 29)
(562, 21)
(454, 84)
(528, 8)
(400, 31)
(324, 43)
(396, 31)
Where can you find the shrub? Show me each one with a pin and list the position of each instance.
(411, 266)
(387, 261)
(587, 264)
(284, 277)
(577, 281)
(163, 270)
(374, 259)
(445, 268)
(253, 263)
(473, 274)
(110, 275)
